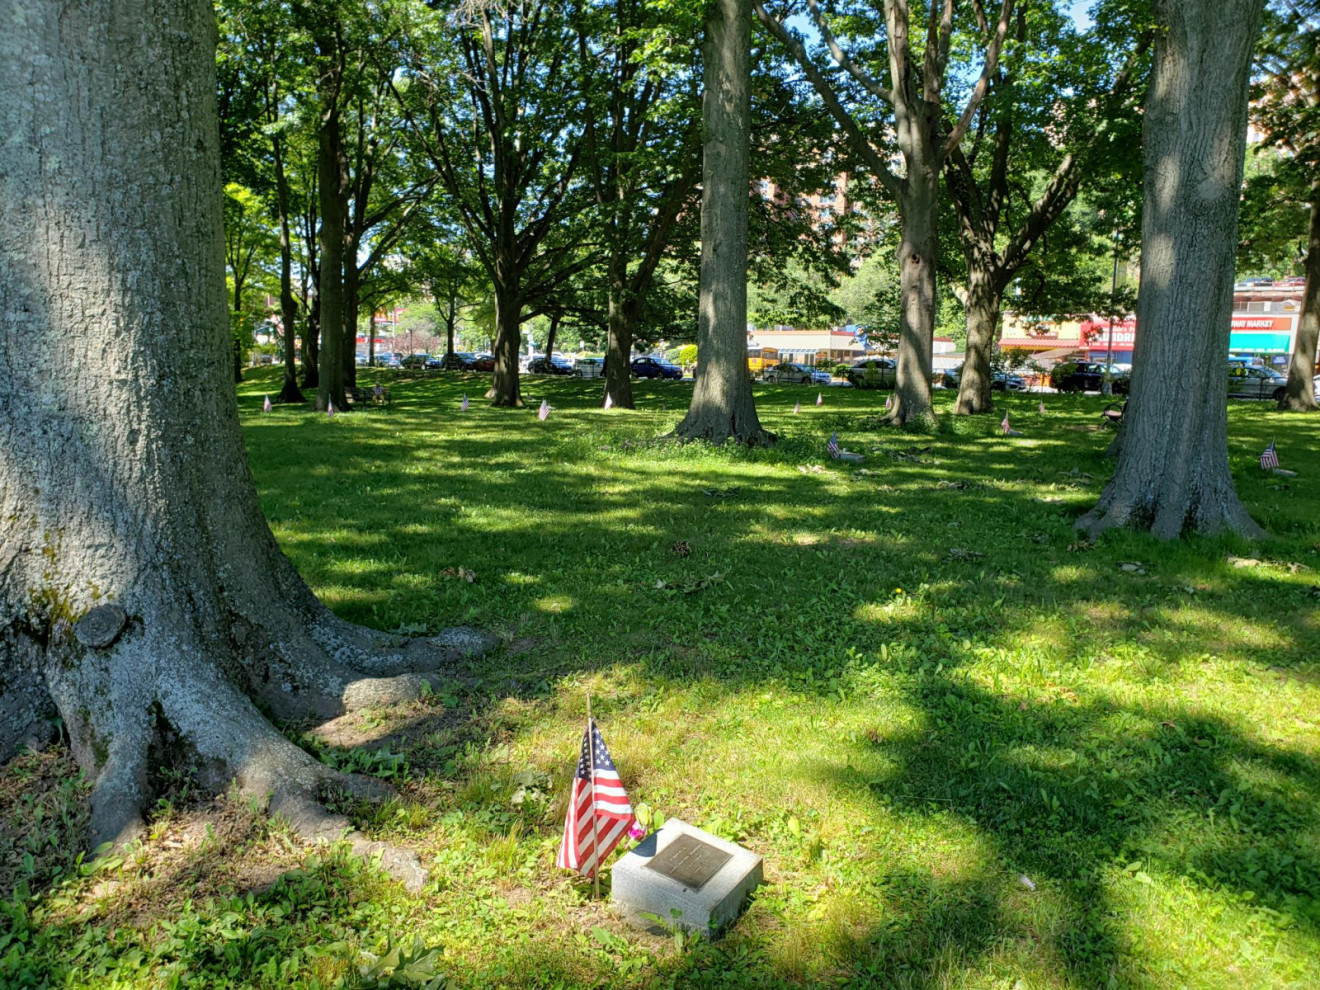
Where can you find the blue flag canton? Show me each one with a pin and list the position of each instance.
(603, 760)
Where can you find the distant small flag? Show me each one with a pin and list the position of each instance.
(329, 409)
(797, 408)
(599, 814)
(463, 406)
(1269, 458)
(265, 406)
(889, 402)
(544, 412)
(820, 399)
(1004, 425)
(833, 445)
(609, 401)
(1041, 408)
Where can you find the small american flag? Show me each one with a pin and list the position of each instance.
(1269, 458)
(1004, 425)
(463, 406)
(833, 445)
(820, 399)
(329, 409)
(1041, 408)
(889, 402)
(609, 401)
(599, 814)
(544, 412)
(265, 406)
(797, 408)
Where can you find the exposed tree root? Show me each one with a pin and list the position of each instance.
(1167, 522)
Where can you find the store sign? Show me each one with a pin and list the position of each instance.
(1277, 324)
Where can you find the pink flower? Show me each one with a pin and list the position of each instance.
(637, 830)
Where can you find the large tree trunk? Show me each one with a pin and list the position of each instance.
(722, 406)
(618, 346)
(505, 389)
(138, 578)
(289, 392)
(982, 308)
(1172, 473)
(1300, 395)
(332, 185)
(917, 250)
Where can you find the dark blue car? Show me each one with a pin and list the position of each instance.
(645, 367)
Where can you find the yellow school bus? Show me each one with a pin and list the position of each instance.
(760, 358)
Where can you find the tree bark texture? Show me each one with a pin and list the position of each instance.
(918, 245)
(332, 187)
(352, 303)
(618, 347)
(722, 407)
(140, 588)
(506, 388)
(550, 337)
(982, 309)
(289, 391)
(1300, 394)
(1172, 474)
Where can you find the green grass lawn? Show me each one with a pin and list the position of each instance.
(974, 751)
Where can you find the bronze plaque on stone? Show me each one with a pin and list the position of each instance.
(689, 861)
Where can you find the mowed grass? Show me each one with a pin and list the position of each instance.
(974, 751)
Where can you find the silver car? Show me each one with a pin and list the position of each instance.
(1250, 382)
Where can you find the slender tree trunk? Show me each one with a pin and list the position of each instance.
(371, 339)
(982, 307)
(330, 288)
(505, 389)
(1300, 395)
(918, 246)
(352, 303)
(722, 406)
(311, 363)
(1172, 473)
(238, 313)
(451, 318)
(289, 392)
(550, 338)
(139, 580)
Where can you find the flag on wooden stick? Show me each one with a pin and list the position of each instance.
(544, 412)
(1041, 408)
(889, 402)
(820, 399)
(265, 406)
(599, 814)
(463, 406)
(797, 408)
(833, 445)
(1269, 458)
(329, 409)
(1005, 427)
(609, 401)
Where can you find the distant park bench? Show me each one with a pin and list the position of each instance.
(377, 395)
(1113, 414)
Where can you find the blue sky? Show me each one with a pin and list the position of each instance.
(1079, 8)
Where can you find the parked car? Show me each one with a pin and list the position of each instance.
(1088, 377)
(873, 373)
(645, 367)
(788, 373)
(415, 361)
(483, 362)
(591, 367)
(820, 376)
(458, 361)
(389, 361)
(1246, 382)
(1000, 380)
(554, 366)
